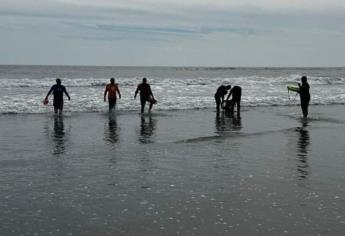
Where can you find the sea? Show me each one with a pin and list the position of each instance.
(176, 88)
(182, 169)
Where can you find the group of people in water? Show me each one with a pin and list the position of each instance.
(146, 95)
(111, 89)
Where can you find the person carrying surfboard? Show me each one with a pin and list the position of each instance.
(304, 95)
(146, 95)
(219, 96)
(58, 90)
(112, 90)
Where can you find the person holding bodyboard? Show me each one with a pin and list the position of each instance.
(303, 91)
(304, 95)
(146, 95)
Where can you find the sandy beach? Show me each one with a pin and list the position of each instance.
(267, 172)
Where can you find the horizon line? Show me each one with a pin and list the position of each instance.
(169, 66)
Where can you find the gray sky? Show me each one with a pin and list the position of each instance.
(173, 33)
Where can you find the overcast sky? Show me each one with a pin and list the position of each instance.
(173, 33)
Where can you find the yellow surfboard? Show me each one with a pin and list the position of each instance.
(293, 88)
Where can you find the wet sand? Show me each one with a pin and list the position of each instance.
(267, 172)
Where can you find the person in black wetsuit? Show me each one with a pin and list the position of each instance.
(219, 96)
(304, 95)
(58, 90)
(236, 93)
(146, 95)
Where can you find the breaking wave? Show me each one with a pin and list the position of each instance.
(173, 92)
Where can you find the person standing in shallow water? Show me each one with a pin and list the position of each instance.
(146, 95)
(304, 95)
(112, 90)
(236, 93)
(219, 96)
(58, 90)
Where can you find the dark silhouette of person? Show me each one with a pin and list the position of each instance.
(146, 95)
(304, 95)
(220, 94)
(112, 90)
(58, 90)
(236, 93)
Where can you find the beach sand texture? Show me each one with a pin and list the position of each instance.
(268, 172)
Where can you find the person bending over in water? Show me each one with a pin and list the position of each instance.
(236, 93)
(219, 96)
(304, 95)
(145, 95)
(58, 90)
(112, 89)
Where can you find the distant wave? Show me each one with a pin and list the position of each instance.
(243, 80)
(48, 82)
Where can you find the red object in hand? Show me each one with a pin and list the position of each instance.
(45, 101)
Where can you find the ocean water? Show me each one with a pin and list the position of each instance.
(176, 88)
(181, 170)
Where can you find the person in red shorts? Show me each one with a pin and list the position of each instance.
(112, 90)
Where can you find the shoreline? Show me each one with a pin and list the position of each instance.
(244, 108)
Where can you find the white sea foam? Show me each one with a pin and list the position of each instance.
(173, 92)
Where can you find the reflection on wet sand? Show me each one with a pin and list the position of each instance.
(302, 150)
(111, 132)
(227, 122)
(147, 129)
(59, 135)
